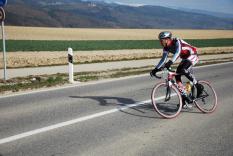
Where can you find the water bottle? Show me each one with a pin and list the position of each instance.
(188, 87)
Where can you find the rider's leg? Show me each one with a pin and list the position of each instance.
(185, 69)
(179, 82)
(188, 64)
(181, 69)
(178, 77)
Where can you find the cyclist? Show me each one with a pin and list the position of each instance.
(188, 55)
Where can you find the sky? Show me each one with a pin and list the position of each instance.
(224, 6)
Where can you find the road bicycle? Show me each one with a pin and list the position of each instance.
(168, 102)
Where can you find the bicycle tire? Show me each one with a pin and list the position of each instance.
(212, 98)
(155, 97)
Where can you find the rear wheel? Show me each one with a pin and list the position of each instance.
(207, 102)
(166, 107)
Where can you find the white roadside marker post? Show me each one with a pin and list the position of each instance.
(71, 65)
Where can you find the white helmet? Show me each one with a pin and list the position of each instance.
(165, 34)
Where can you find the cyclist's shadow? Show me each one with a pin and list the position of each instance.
(108, 100)
(141, 110)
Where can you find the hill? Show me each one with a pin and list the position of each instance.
(77, 13)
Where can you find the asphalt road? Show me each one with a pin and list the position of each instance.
(115, 118)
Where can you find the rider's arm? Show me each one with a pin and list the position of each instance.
(178, 51)
(163, 59)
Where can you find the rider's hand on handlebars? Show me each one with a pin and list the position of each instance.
(154, 71)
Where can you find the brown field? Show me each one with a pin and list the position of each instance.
(36, 33)
(35, 59)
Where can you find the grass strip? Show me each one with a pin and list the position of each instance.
(36, 45)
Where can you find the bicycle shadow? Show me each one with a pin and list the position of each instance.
(141, 110)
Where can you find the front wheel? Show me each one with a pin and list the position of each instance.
(207, 102)
(165, 106)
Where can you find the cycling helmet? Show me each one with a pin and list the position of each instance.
(165, 34)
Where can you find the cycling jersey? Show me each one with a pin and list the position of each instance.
(181, 49)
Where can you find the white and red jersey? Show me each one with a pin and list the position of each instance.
(185, 49)
(179, 48)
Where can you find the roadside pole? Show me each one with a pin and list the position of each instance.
(71, 65)
(2, 18)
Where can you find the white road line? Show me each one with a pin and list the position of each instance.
(70, 122)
